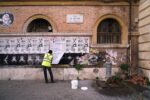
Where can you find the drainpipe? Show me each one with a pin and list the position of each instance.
(130, 29)
(130, 19)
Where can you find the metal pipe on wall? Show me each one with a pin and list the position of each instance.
(129, 34)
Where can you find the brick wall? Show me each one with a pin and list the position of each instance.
(57, 14)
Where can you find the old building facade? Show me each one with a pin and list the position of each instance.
(85, 32)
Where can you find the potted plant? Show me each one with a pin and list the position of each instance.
(78, 67)
(75, 83)
(97, 80)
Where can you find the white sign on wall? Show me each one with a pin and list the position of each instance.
(58, 47)
(74, 18)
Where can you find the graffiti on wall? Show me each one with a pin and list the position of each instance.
(30, 50)
(97, 58)
(6, 19)
(20, 59)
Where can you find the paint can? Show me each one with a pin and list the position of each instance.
(74, 84)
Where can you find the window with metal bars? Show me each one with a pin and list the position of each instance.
(39, 25)
(109, 32)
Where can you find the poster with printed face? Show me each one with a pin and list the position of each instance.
(83, 44)
(71, 45)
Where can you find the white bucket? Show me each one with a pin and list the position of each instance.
(74, 84)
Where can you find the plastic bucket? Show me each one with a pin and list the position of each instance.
(74, 84)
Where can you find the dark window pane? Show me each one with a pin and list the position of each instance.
(108, 31)
(39, 25)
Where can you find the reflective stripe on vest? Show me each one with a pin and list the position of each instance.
(46, 58)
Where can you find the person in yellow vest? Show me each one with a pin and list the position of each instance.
(47, 64)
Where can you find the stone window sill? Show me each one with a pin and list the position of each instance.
(110, 45)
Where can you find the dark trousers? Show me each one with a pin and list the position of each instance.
(45, 74)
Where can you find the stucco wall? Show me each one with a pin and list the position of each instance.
(144, 38)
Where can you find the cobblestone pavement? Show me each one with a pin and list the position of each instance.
(61, 90)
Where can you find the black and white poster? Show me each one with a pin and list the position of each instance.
(30, 50)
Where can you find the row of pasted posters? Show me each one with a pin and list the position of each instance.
(37, 45)
(36, 59)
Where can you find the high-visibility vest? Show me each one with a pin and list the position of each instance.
(47, 60)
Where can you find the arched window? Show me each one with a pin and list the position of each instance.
(39, 25)
(108, 31)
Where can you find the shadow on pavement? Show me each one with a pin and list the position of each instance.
(126, 89)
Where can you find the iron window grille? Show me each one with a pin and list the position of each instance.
(108, 32)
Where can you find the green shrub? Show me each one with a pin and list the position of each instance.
(97, 78)
(114, 79)
(124, 67)
(78, 67)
